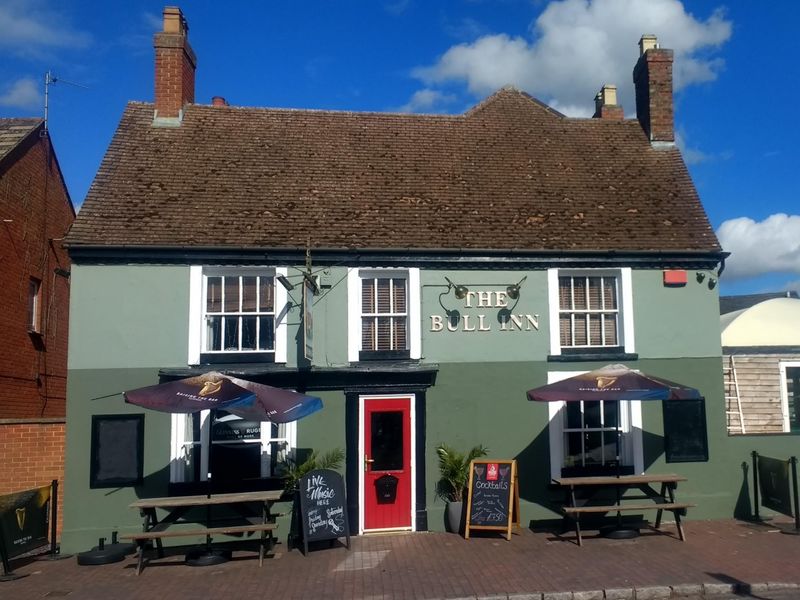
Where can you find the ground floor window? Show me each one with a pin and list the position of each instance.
(790, 392)
(583, 436)
(590, 434)
(239, 449)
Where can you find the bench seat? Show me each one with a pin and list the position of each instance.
(672, 506)
(675, 508)
(141, 538)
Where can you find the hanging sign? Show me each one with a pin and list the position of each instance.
(493, 496)
(309, 287)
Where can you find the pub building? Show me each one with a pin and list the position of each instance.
(418, 273)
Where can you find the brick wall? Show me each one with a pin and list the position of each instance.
(652, 78)
(174, 73)
(32, 456)
(36, 214)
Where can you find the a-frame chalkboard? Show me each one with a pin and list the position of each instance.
(323, 507)
(493, 496)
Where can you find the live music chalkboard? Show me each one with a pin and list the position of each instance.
(323, 507)
(493, 496)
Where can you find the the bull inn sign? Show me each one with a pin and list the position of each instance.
(503, 320)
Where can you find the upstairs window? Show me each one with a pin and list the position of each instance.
(589, 315)
(384, 313)
(34, 305)
(238, 316)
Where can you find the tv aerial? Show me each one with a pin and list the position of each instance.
(51, 79)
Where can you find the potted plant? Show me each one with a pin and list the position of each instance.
(292, 471)
(454, 471)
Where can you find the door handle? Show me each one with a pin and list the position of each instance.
(367, 462)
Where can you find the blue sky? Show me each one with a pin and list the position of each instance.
(736, 81)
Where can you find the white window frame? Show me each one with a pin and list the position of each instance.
(630, 416)
(197, 274)
(354, 312)
(179, 455)
(34, 305)
(624, 310)
(783, 365)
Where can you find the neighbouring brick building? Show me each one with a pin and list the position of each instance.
(35, 215)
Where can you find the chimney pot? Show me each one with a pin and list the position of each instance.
(174, 21)
(646, 42)
(605, 104)
(218, 101)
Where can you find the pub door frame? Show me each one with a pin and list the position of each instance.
(364, 489)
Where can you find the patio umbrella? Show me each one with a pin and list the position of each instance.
(613, 383)
(214, 391)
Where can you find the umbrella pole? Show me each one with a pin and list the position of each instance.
(618, 531)
(207, 556)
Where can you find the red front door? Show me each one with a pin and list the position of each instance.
(386, 494)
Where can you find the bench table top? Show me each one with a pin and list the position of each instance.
(621, 480)
(204, 500)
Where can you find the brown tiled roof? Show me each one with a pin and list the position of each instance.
(509, 174)
(13, 131)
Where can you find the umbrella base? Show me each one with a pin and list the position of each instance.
(618, 532)
(207, 557)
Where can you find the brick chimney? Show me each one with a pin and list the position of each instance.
(175, 65)
(605, 104)
(652, 78)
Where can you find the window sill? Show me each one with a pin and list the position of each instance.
(369, 355)
(592, 355)
(236, 357)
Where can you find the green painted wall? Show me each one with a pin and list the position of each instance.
(127, 322)
(675, 321)
(131, 316)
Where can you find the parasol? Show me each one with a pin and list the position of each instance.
(613, 383)
(214, 391)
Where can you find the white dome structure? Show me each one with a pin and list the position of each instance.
(773, 322)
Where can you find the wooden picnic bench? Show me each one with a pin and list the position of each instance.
(178, 506)
(664, 500)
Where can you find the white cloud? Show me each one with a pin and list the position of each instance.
(769, 246)
(28, 26)
(23, 93)
(576, 46)
(691, 155)
(426, 101)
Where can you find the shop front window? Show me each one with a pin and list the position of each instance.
(240, 450)
(590, 435)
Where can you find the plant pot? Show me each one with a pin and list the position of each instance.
(453, 512)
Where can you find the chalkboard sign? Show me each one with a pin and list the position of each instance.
(323, 507)
(493, 496)
(685, 435)
(774, 484)
(117, 457)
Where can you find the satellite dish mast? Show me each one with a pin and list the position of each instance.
(50, 79)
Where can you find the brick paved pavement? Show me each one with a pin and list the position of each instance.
(438, 565)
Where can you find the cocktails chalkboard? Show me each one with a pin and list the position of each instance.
(493, 496)
(323, 507)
